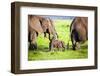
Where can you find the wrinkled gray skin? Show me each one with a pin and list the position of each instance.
(38, 25)
(79, 31)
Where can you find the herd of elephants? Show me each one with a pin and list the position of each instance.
(40, 24)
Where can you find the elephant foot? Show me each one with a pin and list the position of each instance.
(78, 46)
(50, 49)
(74, 47)
(33, 47)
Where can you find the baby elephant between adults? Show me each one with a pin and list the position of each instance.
(56, 44)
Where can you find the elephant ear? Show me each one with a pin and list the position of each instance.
(35, 24)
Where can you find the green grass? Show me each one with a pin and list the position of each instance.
(43, 53)
(54, 55)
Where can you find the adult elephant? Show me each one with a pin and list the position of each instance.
(79, 31)
(38, 25)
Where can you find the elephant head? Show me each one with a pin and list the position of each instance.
(48, 27)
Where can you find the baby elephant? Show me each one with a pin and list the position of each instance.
(56, 44)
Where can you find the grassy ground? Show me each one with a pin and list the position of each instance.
(42, 53)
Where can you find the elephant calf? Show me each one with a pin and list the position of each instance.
(56, 44)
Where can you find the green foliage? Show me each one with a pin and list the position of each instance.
(63, 29)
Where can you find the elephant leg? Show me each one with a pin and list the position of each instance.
(50, 46)
(33, 40)
(68, 45)
(78, 45)
(74, 45)
(63, 46)
(73, 42)
(35, 45)
(49, 37)
(29, 40)
(29, 45)
(44, 34)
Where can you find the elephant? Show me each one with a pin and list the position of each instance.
(55, 43)
(79, 31)
(38, 25)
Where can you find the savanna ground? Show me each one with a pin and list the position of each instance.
(63, 29)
